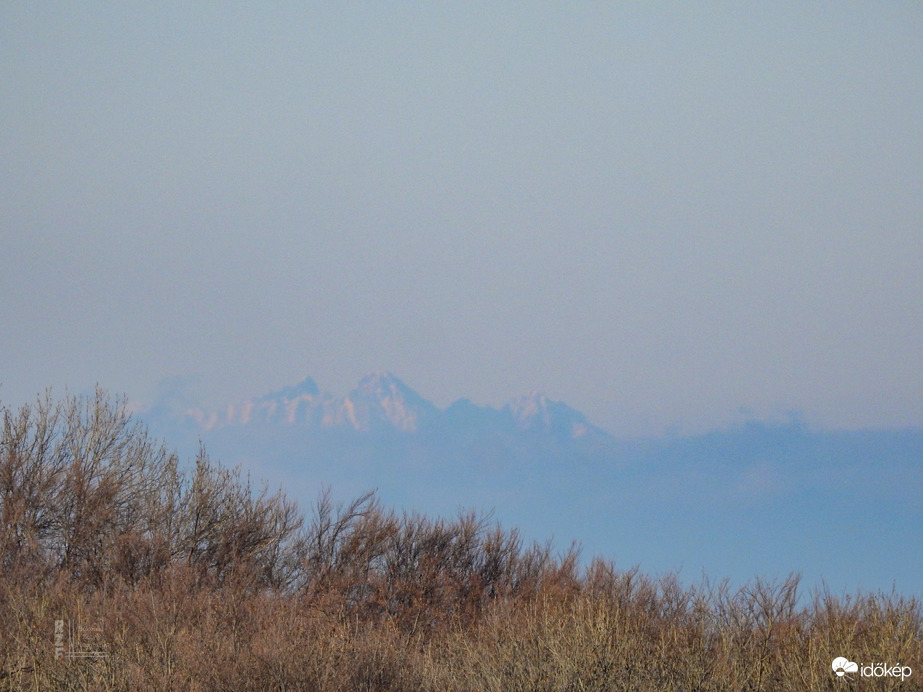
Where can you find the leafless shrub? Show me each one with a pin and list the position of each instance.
(199, 582)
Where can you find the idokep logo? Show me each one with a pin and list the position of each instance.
(842, 666)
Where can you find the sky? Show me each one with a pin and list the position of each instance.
(671, 216)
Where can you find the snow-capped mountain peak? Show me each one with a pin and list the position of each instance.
(382, 403)
(536, 413)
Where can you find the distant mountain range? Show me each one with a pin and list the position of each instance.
(382, 404)
(754, 498)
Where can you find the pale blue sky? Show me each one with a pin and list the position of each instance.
(663, 214)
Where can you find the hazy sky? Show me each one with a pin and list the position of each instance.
(667, 215)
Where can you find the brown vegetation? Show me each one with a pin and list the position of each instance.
(193, 580)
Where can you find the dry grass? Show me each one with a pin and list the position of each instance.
(194, 581)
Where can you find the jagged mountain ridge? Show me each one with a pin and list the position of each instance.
(381, 403)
